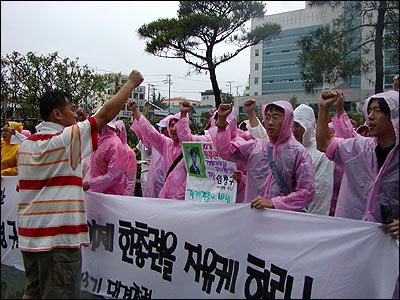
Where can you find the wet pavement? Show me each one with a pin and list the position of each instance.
(13, 282)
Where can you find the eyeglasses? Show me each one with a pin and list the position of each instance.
(274, 118)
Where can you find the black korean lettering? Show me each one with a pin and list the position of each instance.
(162, 259)
(96, 284)
(85, 279)
(280, 284)
(227, 274)
(3, 236)
(194, 263)
(141, 245)
(209, 266)
(125, 240)
(141, 292)
(113, 288)
(3, 196)
(261, 279)
(14, 236)
(103, 234)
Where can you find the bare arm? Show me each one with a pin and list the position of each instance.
(249, 106)
(339, 104)
(223, 111)
(134, 108)
(322, 132)
(185, 108)
(113, 106)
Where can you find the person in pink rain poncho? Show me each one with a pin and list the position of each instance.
(292, 186)
(169, 147)
(131, 169)
(370, 164)
(108, 164)
(155, 176)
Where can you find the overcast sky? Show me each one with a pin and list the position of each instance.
(102, 34)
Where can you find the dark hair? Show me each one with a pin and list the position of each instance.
(194, 150)
(271, 107)
(53, 99)
(383, 106)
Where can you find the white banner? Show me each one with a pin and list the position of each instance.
(170, 249)
(209, 177)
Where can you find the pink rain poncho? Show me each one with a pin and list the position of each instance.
(175, 185)
(343, 129)
(108, 164)
(155, 176)
(363, 187)
(131, 162)
(323, 167)
(291, 158)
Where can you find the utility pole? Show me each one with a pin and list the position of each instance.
(237, 90)
(169, 82)
(230, 86)
(148, 92)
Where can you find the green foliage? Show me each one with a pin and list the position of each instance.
(293, 101)
(131, 137)
(200, 27)
(24, 78)
(334, 53)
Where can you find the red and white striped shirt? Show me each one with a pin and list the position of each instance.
(51, 211)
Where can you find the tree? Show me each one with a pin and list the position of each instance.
(200, 27)
(24, 78)
(337, 52)
(293, 101)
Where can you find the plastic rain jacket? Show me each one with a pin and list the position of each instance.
(175, 185)
(363, 187)
(344, 129)
(9, 152)
(323, 167)
(291, 158)
(131, 163)
(108, 164)
(155, 175)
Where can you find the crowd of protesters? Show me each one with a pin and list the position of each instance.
(290, 160)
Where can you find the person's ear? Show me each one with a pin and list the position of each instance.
(56, 114)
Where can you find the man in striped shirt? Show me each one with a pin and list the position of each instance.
(52, 223)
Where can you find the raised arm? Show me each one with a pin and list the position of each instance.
(326, 99)
(223, 111)
(249, 106)
(185, 108)
(341, 121)
(113, 106)
(256, 129)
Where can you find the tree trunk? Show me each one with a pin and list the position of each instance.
(215, 87)
(379, 68)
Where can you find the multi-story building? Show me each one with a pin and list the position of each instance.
(208, 98)
(274, 73)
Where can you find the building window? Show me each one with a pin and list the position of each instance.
(255, 80)
(257, 52)
(256, 66)
(255, 93)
